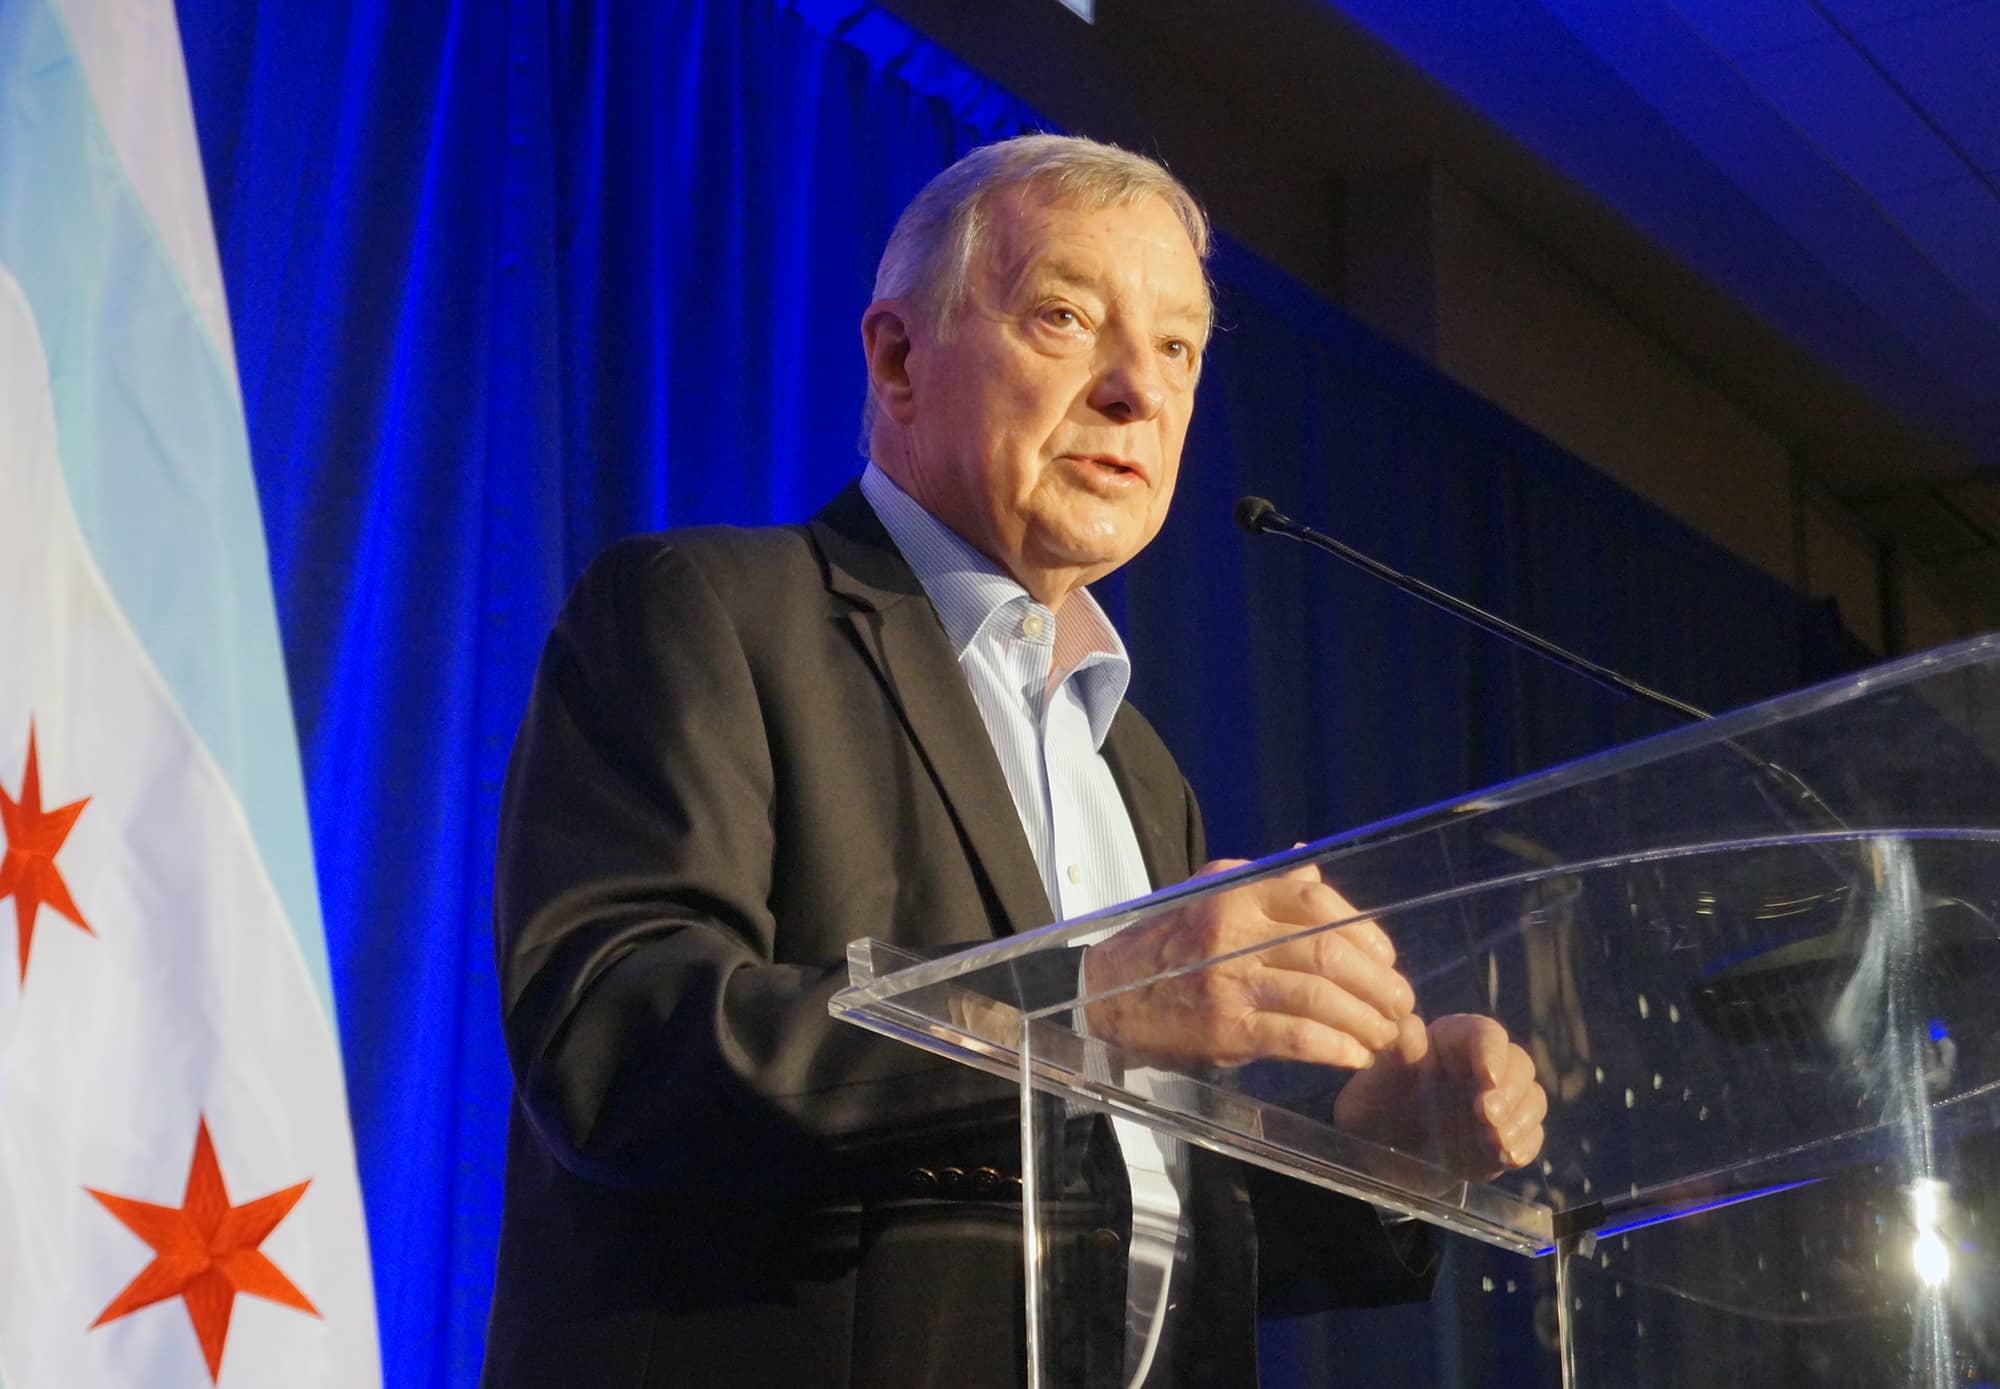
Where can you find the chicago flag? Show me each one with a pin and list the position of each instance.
(178, 1198)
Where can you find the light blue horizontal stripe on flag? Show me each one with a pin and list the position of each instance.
(150, 431)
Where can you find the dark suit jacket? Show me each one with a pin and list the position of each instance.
(745, 749)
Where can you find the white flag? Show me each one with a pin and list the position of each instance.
(178, 1196)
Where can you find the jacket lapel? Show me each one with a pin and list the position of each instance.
(901, 636)
(1165, 856)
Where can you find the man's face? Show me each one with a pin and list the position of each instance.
(1045, 423)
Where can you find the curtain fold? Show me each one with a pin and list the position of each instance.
(510, 280)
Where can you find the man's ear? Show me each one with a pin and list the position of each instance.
(885, 342)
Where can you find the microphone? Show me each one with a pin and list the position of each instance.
(1259, 516)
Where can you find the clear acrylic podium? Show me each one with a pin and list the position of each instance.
(1757, 964)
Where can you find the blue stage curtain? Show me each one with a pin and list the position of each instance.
(509, 280)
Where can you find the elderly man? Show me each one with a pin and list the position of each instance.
(747, 748)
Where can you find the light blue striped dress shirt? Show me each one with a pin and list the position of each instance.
(1047, 686)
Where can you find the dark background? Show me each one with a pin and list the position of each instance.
(509, 280)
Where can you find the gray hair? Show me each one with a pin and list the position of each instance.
(931, 251)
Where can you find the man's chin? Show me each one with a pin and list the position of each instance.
(1092, 553)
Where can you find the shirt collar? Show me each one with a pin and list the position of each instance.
(969, 591)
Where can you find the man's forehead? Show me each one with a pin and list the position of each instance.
(1035, 237)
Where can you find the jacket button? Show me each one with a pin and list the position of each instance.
(951, 1180)
(922, 1180)
(1106, 1242)
(985, 1181)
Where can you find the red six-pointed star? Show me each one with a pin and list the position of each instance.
(28, 872)
(205, 1251)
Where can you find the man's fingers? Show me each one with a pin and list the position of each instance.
(1305, 902)
(1517, 1144)
(1289, 1037)
(1371, 938)
(1413, 1044)
(1513, 1136)
(1351, 956)
(1472, 1047)
(1521, 1149)
(1513, 1111)
(1507, 1102)
(1332, 957)
(1299, 902)
(1526, 1111)
(1314, 996)
(1516, 1093)
(1333, 997)
(1514, 1145)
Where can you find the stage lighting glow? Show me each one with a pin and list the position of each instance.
(1924, 1201)
(1929, 1256)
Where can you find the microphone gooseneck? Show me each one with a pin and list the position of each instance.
(1755, 993)
(1259, 517)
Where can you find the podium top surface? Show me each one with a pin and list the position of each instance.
(1743, 955)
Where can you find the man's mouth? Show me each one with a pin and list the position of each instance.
(1112, 466)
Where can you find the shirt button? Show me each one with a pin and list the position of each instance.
(1075, 873)
(1031, 625)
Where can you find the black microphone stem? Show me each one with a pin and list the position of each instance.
(1258, 516)
(1755, 981)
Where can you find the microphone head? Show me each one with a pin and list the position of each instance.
(1253, 512)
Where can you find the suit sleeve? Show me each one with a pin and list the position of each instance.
(653, 1037)
(1318, 1250)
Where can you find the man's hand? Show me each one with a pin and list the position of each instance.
(1333, 998)
(1457, 1092)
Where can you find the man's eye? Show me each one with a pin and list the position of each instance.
(1059, 317)
(1180, 349)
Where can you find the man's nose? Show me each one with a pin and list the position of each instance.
(1130, 387)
